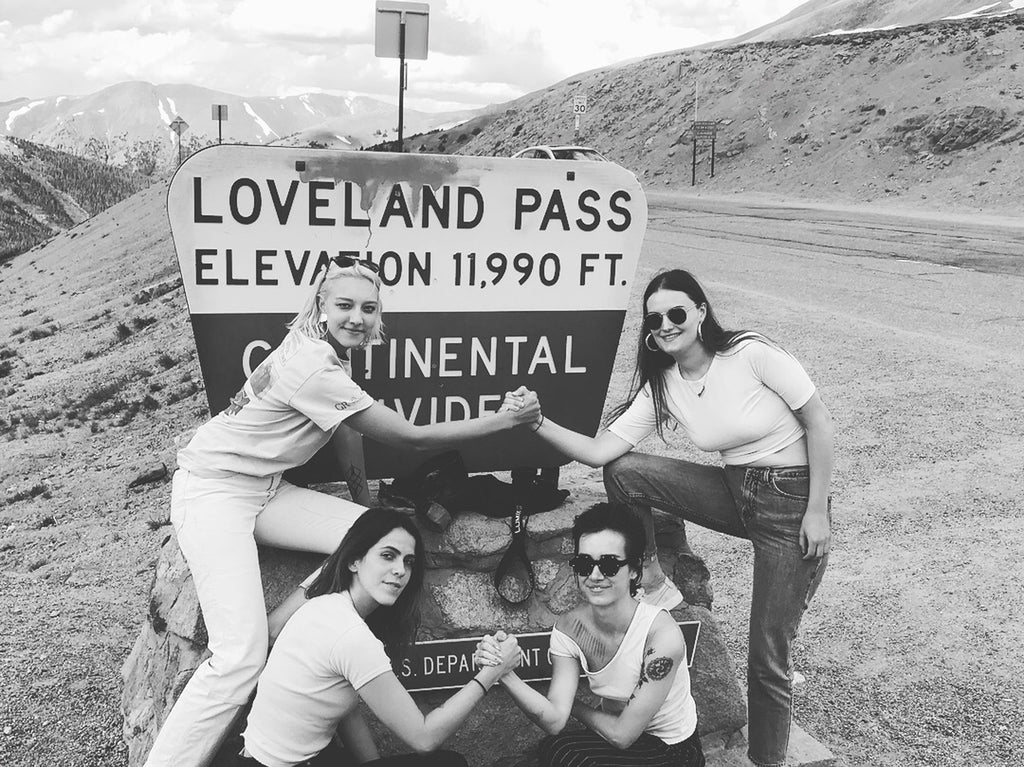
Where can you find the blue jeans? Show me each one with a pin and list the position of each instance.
(766, 506)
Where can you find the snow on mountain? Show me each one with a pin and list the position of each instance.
(132, 113)
(844, 17)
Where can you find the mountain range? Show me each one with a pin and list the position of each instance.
(108, 124)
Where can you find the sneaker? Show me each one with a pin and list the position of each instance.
(667, 596)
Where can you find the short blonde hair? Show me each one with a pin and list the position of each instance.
(307, 321)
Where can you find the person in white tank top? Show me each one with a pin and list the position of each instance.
(632, 654)
(738, 394)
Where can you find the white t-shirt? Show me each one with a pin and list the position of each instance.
(745, 411)
(324, 655)
(285, 412)
(676, 720)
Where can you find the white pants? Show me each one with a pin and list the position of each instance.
(218, 523)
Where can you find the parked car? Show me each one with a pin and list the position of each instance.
(560, 153)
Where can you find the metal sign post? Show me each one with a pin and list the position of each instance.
(579, 108)
(220, 114)
(179, 126)
(401, 33)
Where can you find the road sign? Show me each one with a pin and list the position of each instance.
(704, 130)
(220, 111)
(494, 278)
(579, 105)
(392, 16)
(179, 126)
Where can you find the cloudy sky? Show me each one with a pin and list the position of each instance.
(481, 51)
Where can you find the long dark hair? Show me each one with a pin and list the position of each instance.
(394, 625)
(650, 364)
(618, 518)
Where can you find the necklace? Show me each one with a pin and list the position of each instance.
(697, 385)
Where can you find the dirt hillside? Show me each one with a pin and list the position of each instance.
(930, 116)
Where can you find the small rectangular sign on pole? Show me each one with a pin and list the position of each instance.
(704, 130)
(391, 15)
(220, 114)
(401, 33)
(579, 104)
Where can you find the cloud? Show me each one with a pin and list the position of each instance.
(479, 52)
(54, 24)
(319, 20)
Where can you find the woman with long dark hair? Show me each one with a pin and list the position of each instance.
(228, 493)
(341, 646)
(739, 394)
(632, 654)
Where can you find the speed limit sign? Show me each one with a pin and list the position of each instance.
(579, 105)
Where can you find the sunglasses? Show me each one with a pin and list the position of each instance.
(608, 564)
(344, 262)
(676, 315)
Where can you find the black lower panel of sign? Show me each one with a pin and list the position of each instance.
(443, 366)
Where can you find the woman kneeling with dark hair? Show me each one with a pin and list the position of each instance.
(632, 654)
(340, 645)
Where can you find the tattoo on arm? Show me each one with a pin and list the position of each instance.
(355, 481)
(654, 669)
(659, 668)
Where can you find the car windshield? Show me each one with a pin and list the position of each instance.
(576, 154)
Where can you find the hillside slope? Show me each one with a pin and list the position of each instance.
(44, 191)
(931, 115)
(823, 17)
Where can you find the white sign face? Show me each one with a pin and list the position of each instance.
(579, 104)
(387, 33)
(495, 276)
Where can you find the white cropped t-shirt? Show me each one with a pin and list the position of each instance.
(745, 411)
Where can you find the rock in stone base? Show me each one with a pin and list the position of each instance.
(172, 642)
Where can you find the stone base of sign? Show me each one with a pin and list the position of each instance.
(459, 600)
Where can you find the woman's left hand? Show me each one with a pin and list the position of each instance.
(816, 533)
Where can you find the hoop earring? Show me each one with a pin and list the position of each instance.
(321, 324)
(700, 332)
(650, 337)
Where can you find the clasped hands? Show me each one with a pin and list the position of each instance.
(498, 649)
(523, 404)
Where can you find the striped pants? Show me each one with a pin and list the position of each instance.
(585, 748)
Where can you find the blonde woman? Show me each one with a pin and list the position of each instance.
(228, 494)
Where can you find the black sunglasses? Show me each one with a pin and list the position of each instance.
(608, 564)
(344, 262)
(676, 315)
